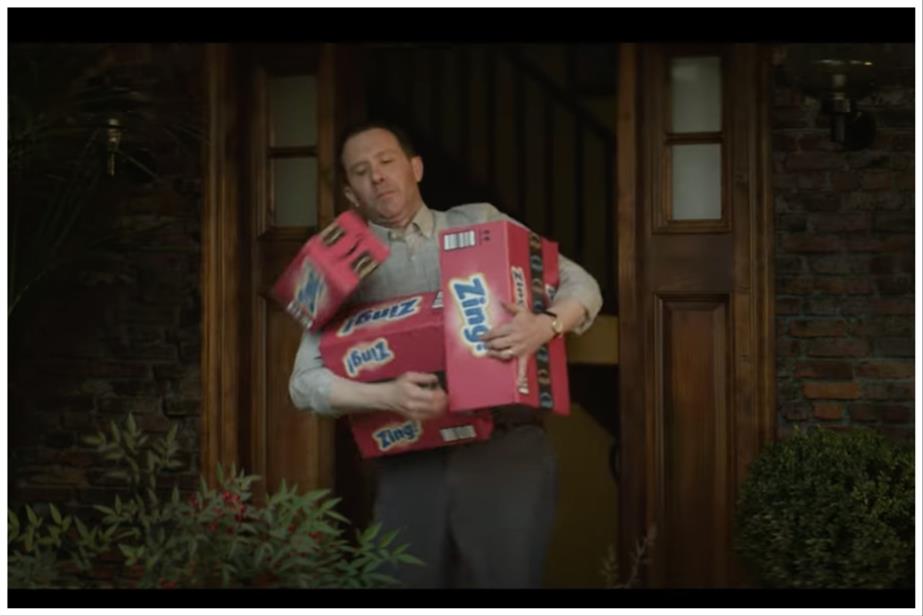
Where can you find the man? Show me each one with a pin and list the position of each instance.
(479, 515)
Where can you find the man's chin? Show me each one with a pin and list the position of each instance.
(395, 214)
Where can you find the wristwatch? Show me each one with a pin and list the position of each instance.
(556, 324)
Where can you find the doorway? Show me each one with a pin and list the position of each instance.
(675, 288)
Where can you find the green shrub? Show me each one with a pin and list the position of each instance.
(826, 509)
(217, 538)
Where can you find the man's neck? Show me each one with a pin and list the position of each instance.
(404, 221)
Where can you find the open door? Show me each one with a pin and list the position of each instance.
(695, 300)
(269, 186)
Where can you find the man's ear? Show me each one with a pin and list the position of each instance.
(350, 195)
(417, 164)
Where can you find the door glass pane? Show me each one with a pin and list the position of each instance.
(696, 181)
(695, 85)
(293, 109)
(294, 192)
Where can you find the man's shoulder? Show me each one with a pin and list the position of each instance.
(471, 213)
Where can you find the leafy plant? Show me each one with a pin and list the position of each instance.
(824, 509)
(217, 538)
(641, 556)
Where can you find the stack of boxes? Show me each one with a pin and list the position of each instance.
(482, 266)
(381, 341)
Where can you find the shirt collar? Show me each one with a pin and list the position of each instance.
(424, 221)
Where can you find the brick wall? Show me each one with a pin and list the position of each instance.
(845, 261)
(116, 330)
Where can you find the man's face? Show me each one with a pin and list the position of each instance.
(381, 179)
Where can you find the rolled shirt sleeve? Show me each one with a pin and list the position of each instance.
(577, 284)
(309, 385)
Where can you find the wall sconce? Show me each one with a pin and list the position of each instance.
(837, 75)
(113, 139)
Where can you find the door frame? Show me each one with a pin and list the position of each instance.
(223, 345)
(636, 485)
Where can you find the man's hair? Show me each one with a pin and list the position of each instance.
(399, 133)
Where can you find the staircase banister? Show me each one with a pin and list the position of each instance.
(559, 94)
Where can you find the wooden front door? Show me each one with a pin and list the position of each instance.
(697, 348)
(269, 187)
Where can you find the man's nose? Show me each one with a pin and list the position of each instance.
(376, 173)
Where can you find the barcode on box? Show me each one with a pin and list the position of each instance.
(457, 433)
(463, 239)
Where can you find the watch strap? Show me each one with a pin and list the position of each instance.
(556, 324)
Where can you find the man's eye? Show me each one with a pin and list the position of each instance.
(385, 161)
(359, 172)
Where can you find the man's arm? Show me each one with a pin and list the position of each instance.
(313, 386)
(577, 301)
(526, 332)
(576, 286)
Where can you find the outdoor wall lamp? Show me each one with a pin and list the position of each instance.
(113, 139)
(837, 75)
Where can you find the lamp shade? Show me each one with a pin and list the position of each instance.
(822, 70)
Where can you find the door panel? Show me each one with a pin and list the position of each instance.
(692, 352)
(290, 126)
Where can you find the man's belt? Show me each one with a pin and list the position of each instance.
(507, 418)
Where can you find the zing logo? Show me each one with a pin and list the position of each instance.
(381, 314)
(367, 356)
(394, 435)
(308, 292)
(470, 295)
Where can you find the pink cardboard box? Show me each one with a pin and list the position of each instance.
(381, 341)
(483, 265)
(328, 269)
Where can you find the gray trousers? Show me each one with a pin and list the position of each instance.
(479, 515)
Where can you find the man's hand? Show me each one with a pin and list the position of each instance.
(417, 396)
(520, 337)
